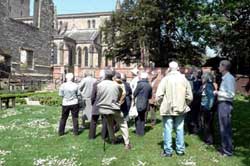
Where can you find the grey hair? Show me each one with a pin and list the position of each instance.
(226, 64)
(69, 76)
(208, 77)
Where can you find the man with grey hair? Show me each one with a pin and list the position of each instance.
(174, 94)
(225, 97)
(108, 101)
(86, 88)
(142, 93)
(69, 91)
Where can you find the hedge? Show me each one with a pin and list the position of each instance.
(45, 98)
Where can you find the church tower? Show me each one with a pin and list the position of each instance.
(18, 8)
(118, 6)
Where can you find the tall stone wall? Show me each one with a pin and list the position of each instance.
(16, 35)
(19, 8)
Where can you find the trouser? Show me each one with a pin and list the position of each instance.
(224, 115)
(193, 116)
(140, 123)
(118, 117)
(170, 122)
(74, 109)
(152, 110)
(86, 110)
(207, 125)
(93, 125)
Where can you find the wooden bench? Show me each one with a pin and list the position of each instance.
(7, 100)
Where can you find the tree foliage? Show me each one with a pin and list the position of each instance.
(168, 29)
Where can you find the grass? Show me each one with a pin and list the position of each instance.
(29, 137)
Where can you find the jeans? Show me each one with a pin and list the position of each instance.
(178, 123)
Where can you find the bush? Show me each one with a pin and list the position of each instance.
(50, 99)
(45, 98)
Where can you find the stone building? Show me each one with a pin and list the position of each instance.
(25, 49)
(78, 43)
(18, 8)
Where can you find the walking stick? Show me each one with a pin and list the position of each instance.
(104, 149)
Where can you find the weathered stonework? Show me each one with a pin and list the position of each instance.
(16, 35)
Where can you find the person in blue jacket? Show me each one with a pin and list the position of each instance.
(207, 101)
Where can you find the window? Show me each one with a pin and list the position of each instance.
(89, 24)
(21, 14)
(54, 54)
(86, 54)
(79, 52)
(22, 1)
(93, 24)
(26, 59)
(4, 64)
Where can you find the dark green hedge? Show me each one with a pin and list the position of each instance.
(45, 98)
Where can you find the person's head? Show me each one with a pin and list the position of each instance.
(69, 77)
(144, 75)
(225, 66)
(109, 74)
(206, 77)
(117, 76)
(102, 75)
(123, 77)
(135, 72)
(173, 66)
(87, 74)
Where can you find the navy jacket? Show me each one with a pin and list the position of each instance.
(142, 93)
(127, 104)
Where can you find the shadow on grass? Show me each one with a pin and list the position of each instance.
(161, 144)
(241, 130)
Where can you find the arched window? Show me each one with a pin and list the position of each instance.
(54, 54)
(89, 24)
(86, 57)
(61, 53)
(79, 52)
(70, 53)
(93, 24)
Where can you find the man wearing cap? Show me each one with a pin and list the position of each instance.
(142, 93)
(225, 97)
(174, 94)
(108, 102)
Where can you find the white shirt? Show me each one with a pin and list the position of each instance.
(69, 91)
(227, 88)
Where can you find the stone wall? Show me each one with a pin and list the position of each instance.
(16, 35)
(19, 8)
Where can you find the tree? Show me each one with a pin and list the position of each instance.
(154, 30)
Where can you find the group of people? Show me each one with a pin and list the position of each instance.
(179, 97)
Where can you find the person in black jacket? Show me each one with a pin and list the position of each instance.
(142, 93)
(125, 107)
(95, 112)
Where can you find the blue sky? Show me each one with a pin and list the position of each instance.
(82, 6)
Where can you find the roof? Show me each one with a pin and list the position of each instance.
(74, 15)
(83, 35)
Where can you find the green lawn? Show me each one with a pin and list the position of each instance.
(29, 137)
